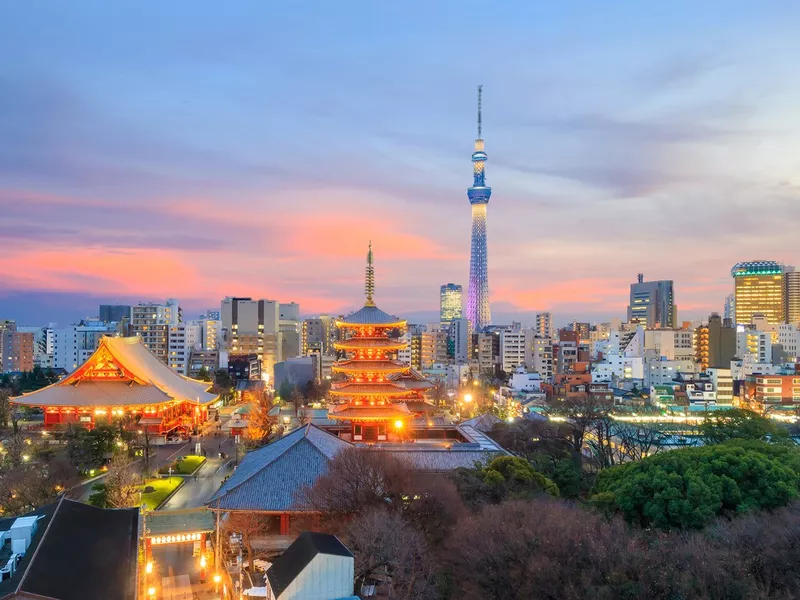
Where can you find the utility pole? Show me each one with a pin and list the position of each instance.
(218, 549)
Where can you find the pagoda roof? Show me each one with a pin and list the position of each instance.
(370, 314)
(350, 412)
(412, 380)
(369, 366)
(122, 371)
(419, 406)
(378, 343)
(352, 388)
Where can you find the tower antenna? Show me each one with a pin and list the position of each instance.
(480, 122)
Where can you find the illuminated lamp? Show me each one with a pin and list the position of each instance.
(148, 567)
(398, 424)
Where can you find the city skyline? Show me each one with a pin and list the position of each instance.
(207, 163)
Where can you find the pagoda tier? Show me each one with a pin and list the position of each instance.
(377, 367)
(372, 398)
(374, 343)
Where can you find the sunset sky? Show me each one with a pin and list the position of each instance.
(198, 149)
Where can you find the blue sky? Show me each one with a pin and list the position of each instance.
(203, 149)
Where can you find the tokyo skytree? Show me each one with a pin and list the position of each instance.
(478, 311)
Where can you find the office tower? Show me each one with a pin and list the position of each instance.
(715, 344)
(252, 327)
(759, 289)
(451, 304)
(729, 314)
(151, 321)
(652, 303)
(114, 313)
(478, 311)
(791, 293)
(544, 325)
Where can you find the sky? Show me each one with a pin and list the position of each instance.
(200, 149)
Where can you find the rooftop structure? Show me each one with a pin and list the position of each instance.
(70, 551)
(478, 311)
(371, 399)
(122, 377)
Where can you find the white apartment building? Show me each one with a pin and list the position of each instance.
(544, 325)
(755, 344)
(789, 338)
(178, 350)
(723, 384)
(673, 344)
(663, 371)
(69, 347)
(542, 359)
(515, 349)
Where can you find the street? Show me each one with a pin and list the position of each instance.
(195, 492)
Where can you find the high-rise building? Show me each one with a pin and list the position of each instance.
(151, 321)
(478, 311)
(791, 293)
(755, 346)
(212, 329)
(289, 330)
(252, 327)
(652, 303)
(759, 289)
(179, 350)
(434, 348)
(730, 308)
(318, 334)
(114, 313)
(16, 348)
(451, 304)
(544, 325)
(461, 340)
(516, 349)
(715, 344)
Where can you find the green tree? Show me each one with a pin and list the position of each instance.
(285, 390)
(738, 423)
(203, 374)
(504, 477)
(687, 488)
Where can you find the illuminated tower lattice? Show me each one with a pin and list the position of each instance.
(478, 311)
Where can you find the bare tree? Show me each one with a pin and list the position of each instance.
(358, 479)
(582, 412)
(249, 525)
(121, 483)
(391, 554)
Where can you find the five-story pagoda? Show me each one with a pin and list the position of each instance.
(372, 398)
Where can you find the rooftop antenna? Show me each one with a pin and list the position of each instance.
(480, 122)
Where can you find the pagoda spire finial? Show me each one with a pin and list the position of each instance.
(369, 284)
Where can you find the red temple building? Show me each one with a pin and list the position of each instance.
(375, 398)
(124, 379)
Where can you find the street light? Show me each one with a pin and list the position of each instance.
(148, 567)
(467, 398)
(151, 592)
(398, 424)
(217, 579)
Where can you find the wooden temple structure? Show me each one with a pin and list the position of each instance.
(123, 379)
(380, 395)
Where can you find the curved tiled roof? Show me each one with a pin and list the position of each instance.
(126, 357)
(269, 478)
(369, 389)
(364, 342)
(371, 315)
(369, 366)
(349, 412)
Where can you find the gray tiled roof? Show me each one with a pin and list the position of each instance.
(439, 461)
(269, 478)
(370, 315)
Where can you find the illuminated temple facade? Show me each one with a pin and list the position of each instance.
(380, 395)
(124, 380)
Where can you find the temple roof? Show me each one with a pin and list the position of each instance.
(352, 388)
(271, 477)
(122, 371)
(371, 315)
(412, 380)
(369, 366)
